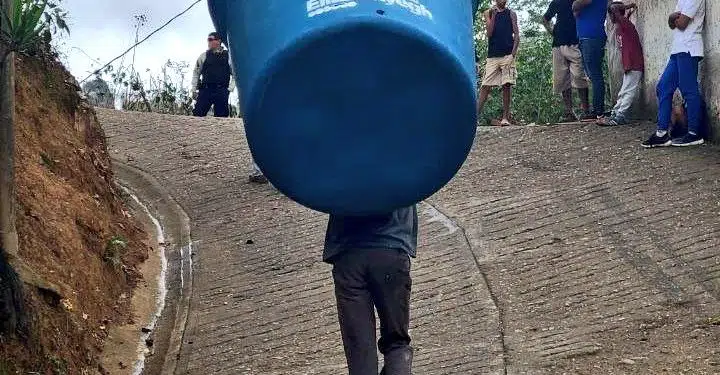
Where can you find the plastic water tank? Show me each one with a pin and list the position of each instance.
(354, 107)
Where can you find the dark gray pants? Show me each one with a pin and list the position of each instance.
(366, 280)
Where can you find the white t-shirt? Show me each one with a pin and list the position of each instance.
(691, 39)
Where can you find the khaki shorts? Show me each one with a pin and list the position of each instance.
(500, 71)
(568, 71)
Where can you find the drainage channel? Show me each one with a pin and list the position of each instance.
(164, 323)
(142, 349)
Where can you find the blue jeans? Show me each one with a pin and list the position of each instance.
(681, 72)
(593, 53)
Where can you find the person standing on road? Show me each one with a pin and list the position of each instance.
(503, 42)
(212, 80)
(687, 24)
(568, 71)
(371, 270)
(633, 62)
(590, 18)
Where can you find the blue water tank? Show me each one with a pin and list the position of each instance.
(354, 107)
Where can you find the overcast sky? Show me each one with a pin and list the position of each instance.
(103, 29)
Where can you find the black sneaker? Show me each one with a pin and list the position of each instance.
(588, 117)
(398, 361)
(608, 121)
(690, 139)
(655, 141)
(611, 121)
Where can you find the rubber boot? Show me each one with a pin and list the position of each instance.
(398, 362)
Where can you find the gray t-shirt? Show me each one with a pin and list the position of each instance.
(394, 231)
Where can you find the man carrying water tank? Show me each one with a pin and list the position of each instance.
(371, 271)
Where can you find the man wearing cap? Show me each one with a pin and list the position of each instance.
(212, 84)
(213, 80)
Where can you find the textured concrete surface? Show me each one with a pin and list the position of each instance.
(556, 250)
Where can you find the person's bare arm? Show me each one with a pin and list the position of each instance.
(682, 22)
(672, 19)
(549, 25)
(516, 33)
(687, 14)
(631, 9)
(547, 18)
(490, 21)
(579, 5)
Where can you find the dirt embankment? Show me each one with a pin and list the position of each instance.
(75, 232)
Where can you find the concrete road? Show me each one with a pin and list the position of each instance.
(556, 250)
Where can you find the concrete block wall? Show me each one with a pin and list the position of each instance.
(657, 39)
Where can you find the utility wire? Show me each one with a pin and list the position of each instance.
(95, 60)
(143, 40)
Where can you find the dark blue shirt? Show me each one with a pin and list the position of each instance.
(565, 31)
(502, 42)
(394, 231)
(591, 20)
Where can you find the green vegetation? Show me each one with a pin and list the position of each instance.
(533, 97)
(114, 249)
(31, 22)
